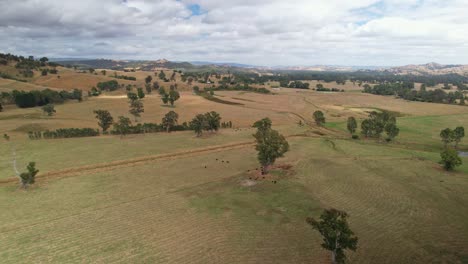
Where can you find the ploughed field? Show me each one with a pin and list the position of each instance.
(176, 198)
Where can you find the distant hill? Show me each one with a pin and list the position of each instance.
(430, 69)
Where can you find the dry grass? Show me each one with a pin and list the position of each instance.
(168, 198)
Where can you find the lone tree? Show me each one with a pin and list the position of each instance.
(450, 159)
(319, 118)
(29, 177)
(49, 109)
(352, 125)
(104, 118)
(458, 135)
(122, 127)
(270, 144)
(170, 120)
(336, 234)
(446, 136)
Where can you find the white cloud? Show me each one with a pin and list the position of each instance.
(262, 32)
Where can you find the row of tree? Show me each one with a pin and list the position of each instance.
(24, 99)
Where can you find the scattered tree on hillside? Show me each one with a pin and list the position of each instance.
(91, 70)
(458, 135)
(352, 125)
(104, 72)
(140, 92)
(148, 79)
(446, 136)
(170, 120)
(173, 76)
(156, 86)
(450, 159)
(29, 177)
(336, 234)
(270, 144)
(173, 96)
(44, 72)
(49, 109)
(148, 88)
(162, 75)
(105, 119)
(319, 118)
(122, 126)
(161, 91)
(136, 108)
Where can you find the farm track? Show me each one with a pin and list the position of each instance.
(109, 166)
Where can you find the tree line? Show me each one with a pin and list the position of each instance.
(405, 90)
(25, 99)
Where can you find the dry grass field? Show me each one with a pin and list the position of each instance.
(176, 198)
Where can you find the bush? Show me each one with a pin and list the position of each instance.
(355, 137)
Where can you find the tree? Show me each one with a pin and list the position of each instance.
(213, 121)
(44, 59)
(148, 88)
(352, 125)
(270, 144)
(155, 86)
(161, 91)
(44, 72)
(148, 79)
(450, 159)
(198, 124)
(1, 107)
(170, 120)
(165, 98)
(162, 75)
(336, 234)
(392, 131)
(136, 108)
(319, 86)
(132, 96)
(49, 109)
(29, 177)
(105, 119)
(458, 135)
(173, 96)
(319, 118)
(446, 136)
(140, 92)
(122, 127)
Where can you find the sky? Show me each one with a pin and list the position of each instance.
(256, 32)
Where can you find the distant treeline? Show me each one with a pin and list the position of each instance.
(406, 91)
(286, 77)
(35, 98)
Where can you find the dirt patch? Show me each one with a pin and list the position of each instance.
(276, 173)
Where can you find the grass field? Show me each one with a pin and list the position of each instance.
(175, 198)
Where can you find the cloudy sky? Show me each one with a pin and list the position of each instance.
(259, 32)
